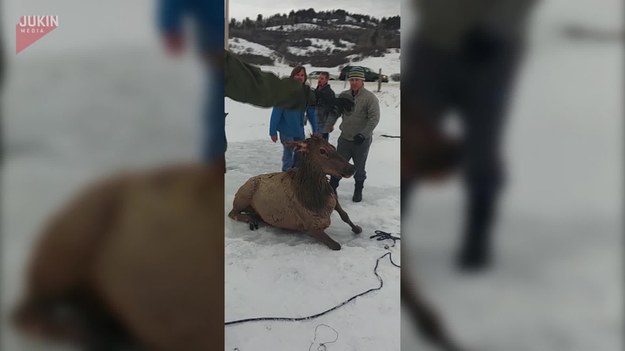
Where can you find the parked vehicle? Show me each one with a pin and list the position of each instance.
(370, 75)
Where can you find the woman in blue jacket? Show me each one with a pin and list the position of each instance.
(290, 124)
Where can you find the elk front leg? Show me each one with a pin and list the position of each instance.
(324, 238)
(345, 217)
(247, 216)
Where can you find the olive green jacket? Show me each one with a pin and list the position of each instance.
(248, 84)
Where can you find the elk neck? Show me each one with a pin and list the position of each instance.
(312, 187)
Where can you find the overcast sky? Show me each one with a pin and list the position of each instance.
(240, 9)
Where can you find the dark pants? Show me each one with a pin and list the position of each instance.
(352, 151)
(476, 85)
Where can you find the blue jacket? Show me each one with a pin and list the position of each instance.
(208, 16)
(291, 123)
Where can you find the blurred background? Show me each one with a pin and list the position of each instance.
(555, 276)
(97, 95)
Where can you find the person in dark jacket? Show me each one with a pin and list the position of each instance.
(325, 98)
(290, 124)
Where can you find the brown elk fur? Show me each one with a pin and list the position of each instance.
(143, 252)
(429, 154)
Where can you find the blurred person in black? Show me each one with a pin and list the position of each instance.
(325, 96)
(464, 58)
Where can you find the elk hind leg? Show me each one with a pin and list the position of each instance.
(325, 238)
(242, 209)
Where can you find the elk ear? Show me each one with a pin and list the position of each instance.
(298, 145)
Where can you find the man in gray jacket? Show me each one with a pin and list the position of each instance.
(356, 128)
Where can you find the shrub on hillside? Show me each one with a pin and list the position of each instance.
(256, 59)
(302, 43)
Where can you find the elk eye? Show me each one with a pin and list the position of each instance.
(323, 151)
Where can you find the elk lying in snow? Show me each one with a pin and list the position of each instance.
(300, 199)
(135, 260)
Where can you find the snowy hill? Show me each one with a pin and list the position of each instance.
(267, 58)
(325, 38)
(242, 46)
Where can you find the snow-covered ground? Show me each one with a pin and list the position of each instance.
(273, 272)
(389, 63)
(242, 46)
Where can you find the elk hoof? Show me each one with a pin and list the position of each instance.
(335, 246)
(356, 229)
(253, 225)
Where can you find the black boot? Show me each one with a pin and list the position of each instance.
(358, 191)
(334, 183)
(476, 259)
(476, 251)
